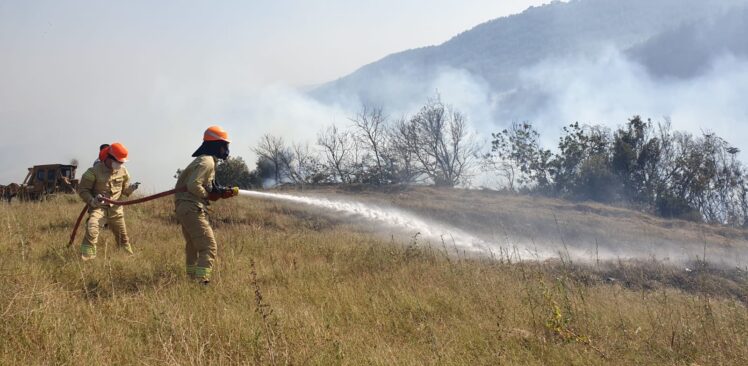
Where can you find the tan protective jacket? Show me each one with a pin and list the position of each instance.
(101, 180)
(197, 177)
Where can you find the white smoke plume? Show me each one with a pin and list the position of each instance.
(610, 88)
(606, 88)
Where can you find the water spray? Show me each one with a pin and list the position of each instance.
(394, 218)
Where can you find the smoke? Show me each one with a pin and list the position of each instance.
(605, 88)
(405, 89)
(161, 120)
(611, 88)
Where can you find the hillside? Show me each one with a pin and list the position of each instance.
(296, 285)
(689, 50)
(530, 227)
(496, 52)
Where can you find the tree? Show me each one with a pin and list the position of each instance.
(581, 168)
(438, 139)
(274, 150)
(636, 155)
(264, 172)
(674, 174)
(370, 131)
(233, 172)
(703, 177)
(402, 159)
(596, 181)
(517, 156)
(303, 166)
(336, 148)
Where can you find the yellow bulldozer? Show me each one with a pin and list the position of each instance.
(45, 180)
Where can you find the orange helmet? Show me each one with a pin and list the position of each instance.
(118, 152)
(216, 133)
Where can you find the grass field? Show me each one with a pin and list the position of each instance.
(293, 286)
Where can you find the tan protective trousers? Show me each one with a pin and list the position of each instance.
(201, 247)
(97, 217)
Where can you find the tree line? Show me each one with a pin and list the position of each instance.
(642, 164)
(645, 164)
(433, 146)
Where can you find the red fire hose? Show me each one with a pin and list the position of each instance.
(122, 203)
(144, 199)
(77, 223)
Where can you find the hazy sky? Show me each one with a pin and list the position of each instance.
(292, 41)
(154, 74)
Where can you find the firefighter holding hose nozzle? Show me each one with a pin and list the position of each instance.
(108, 179)
(191, 204)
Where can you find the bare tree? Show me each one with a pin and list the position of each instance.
(302, 164)
(504, 168)
(439, 141)
(370, 131)
(336, 148)
(274, 150)
(400, 149)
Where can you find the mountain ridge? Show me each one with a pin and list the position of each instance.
(495, 51)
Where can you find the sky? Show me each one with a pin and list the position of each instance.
(153, 75)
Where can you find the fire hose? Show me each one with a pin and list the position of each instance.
(224, 192)
(121, 203)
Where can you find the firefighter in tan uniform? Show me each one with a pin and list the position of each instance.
(107, 179)
(191, 205)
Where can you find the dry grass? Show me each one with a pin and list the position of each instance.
(295, 288)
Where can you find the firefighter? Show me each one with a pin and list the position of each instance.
(102, 154)
(191, 205)
(108, 179)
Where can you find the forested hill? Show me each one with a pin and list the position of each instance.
(496, 51)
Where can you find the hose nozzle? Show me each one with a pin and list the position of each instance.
(229, 192)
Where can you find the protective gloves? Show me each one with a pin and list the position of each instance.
(95, 202)
(133, 187)
(218, 192)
